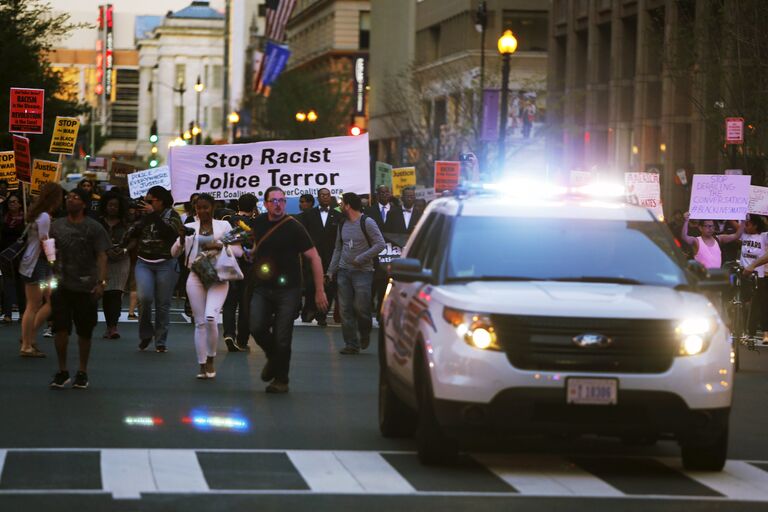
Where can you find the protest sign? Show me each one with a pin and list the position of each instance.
(382, 175)
(758, 200)
(43, 171)
(23, 158)
(402, 177)
(8, 169)
(644, 189)
(339, 164)
(446, 175)
(717, 196)
(427, 194)
(26, 110)
(64, 135)
(118, 175)
(141, 181)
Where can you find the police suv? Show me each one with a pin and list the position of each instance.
(560, 315)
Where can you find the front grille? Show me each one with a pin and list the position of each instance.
(546, 343)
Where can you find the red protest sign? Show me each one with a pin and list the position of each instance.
(23, 158)
(446, 175)
(26, 112)
(734, 130)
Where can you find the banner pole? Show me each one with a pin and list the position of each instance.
(58, 168)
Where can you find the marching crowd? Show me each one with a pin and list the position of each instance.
(259, 268)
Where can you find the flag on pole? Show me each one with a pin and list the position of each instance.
(278, 12)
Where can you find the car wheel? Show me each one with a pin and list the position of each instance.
(706, 450)
(433, 446)
(396, 419)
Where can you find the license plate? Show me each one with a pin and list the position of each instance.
(592, 391)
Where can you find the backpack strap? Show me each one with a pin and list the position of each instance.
(362, 226)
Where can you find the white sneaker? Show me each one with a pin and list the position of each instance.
(48, 333)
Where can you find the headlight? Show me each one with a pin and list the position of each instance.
(694, 334)
(475, 328)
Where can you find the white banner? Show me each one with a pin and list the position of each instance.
(340, 164)
(758, 200)
(643, 189)
(141, 181)
(719, 197)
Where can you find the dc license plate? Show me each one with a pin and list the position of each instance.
(592, 391)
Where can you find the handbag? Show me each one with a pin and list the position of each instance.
(10, 257)
(227, 267)
(203, 267)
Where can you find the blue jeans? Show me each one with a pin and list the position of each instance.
(354, 289)
(271, 325)
(155, 283)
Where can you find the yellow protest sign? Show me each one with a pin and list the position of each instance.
(8, 169)
(64, 135)
(43, 171)
(402, 177)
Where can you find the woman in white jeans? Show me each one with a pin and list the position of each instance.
(206, 304)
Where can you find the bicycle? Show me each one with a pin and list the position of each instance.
(738, 310)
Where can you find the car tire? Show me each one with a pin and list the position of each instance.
(705, 450)
(432, 445)
(396, 419)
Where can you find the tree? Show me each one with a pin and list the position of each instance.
(28, 31)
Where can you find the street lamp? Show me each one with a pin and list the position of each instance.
(233, 119)
(311, 116)
(196, 131)
(301, 117)
(507, 46)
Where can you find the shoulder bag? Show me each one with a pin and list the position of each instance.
(227, 268)
(10, 257)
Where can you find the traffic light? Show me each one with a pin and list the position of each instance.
(153, 161)
(153, 132)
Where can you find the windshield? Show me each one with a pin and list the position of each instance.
(501, 248)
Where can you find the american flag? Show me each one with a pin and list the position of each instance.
(278, 12)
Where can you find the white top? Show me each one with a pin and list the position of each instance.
(191, 243)
(36, 233)
(752, 247)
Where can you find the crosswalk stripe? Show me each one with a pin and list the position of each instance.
(127, 473)
(323, 472)
(374, 473)
(738, 480)
(546, 475)
(177, 471)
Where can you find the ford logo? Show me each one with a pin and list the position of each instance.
(592, 340)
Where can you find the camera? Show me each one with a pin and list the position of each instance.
(188, 231)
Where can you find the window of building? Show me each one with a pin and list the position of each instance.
(441, 116)
(530, 29)
(218, 76)
(180, 73)
(177, 113)
(364, 37)
(215, 123)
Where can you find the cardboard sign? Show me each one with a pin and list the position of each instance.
(26, 110)
(64, 135)
(140, 182)
(758, 200)
(719, 197)
(8, 169)
(228, 171)
(118, 176)
(43, 171)
(644, 189)
(447, 175)
(427, 194)
(23, 158)
(382, 175)
(402, 177)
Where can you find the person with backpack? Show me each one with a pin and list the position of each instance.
(358, 244)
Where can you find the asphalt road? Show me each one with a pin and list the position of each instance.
(148, 436)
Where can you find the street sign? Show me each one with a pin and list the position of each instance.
(26, 110)
(734, 130)
(64, 135)
(23, 158)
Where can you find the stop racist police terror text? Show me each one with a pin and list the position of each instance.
(268, 156)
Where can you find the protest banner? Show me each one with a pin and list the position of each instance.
(446, 175)
(8, 169)
(118, 175)
(26, 110)
(717, 196)
(382, 175)
(43, 171)
(402, 177)
(758, 200)
(340, 164)
(644, 189)
(64, 135)
(141, 181)
(23, 158)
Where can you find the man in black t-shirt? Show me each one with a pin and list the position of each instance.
(275, 282)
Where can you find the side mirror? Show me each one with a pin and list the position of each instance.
(408, 270)
(715, 280)
(697, 269)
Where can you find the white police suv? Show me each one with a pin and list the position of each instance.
(563, 315)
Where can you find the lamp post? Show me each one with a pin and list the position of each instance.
(181, 90)
(196, 131)
(507, 46)
(233, 119)
(311, 117)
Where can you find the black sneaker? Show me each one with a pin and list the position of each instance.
(230, 342)
(161, 349)
(277, 386)
(143, 344)
(60, 380)
(266, 372)
(349, 351)
(81, 380)
(242, 346)
(365, 342)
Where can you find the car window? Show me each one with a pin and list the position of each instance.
(420, 238)
(435, 245)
